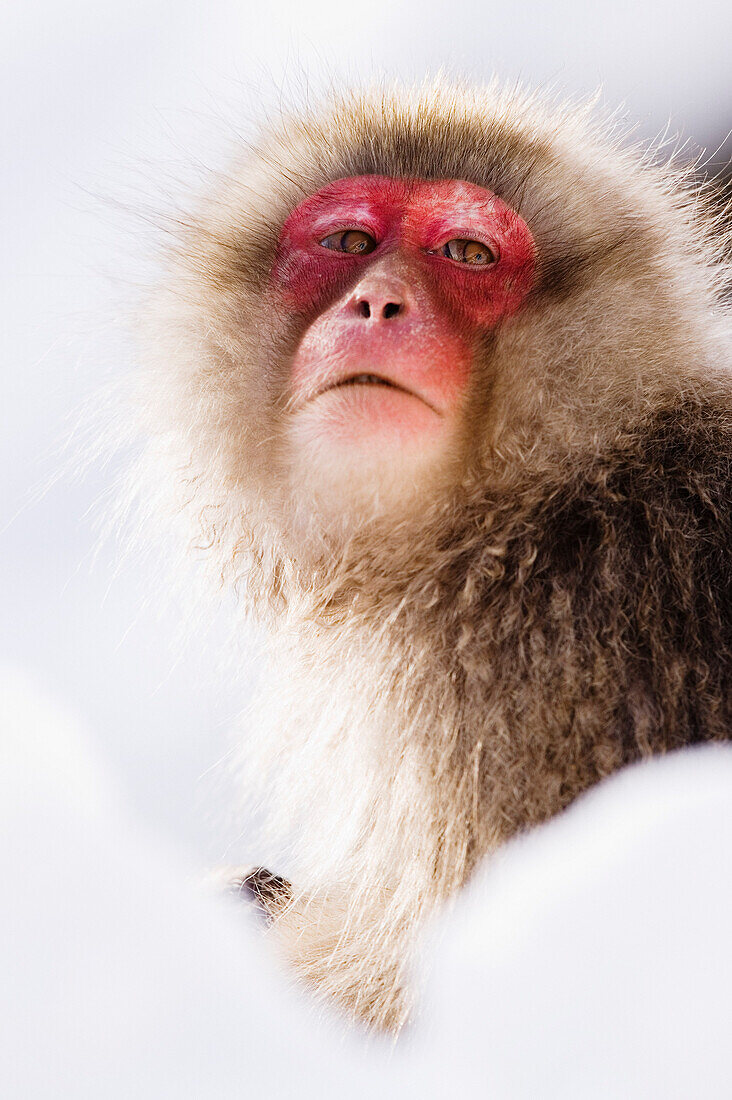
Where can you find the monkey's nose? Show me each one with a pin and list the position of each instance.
(379, 299)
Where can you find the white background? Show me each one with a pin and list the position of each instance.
(109, 112)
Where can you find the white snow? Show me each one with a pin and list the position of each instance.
(594, 958)
(591, 959)
(120, 978)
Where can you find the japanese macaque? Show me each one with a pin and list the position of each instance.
(440, 378)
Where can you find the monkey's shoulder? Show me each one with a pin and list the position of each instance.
(649, 520)
(659, 498)
(688, 444)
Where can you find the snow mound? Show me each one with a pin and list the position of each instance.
(120, 977)
(591, 958)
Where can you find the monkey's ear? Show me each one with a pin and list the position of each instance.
(264, 891)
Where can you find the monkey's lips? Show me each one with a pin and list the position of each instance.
(364, 407)
(377, 380)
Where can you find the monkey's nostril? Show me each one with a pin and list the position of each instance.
(382, 312)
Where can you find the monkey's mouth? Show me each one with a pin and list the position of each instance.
(363, 380)
(373, 380)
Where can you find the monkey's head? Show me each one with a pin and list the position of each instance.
(403, 296)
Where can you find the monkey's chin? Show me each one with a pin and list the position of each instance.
(359, 452)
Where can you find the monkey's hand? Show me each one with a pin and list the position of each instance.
(266, 893)
(308, 931)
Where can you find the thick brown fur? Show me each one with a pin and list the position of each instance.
(444, 681)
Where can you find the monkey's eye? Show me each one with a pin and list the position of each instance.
(354, 241)
(468, 252)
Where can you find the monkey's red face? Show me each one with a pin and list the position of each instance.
(395, 281)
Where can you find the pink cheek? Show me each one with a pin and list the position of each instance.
(478, 301)
(486, 311)
(303, 283)
(448, 360)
